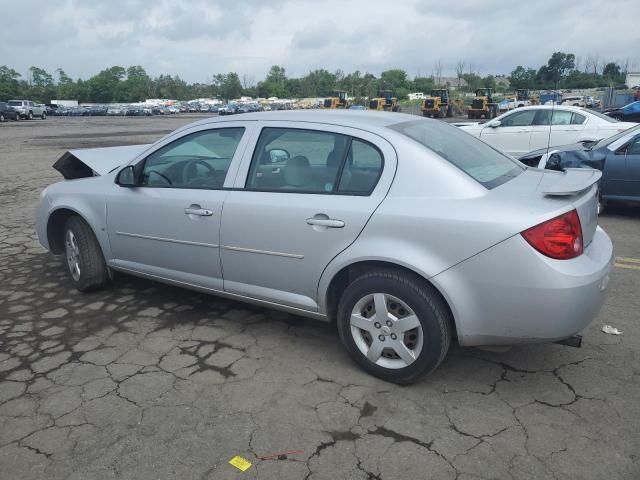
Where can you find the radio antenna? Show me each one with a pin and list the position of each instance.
(553, 106)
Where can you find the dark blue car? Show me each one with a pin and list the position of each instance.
(618, 158)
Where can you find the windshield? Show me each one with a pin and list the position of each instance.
(480, 161)
(603, 116)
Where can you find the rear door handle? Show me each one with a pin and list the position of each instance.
(325, 222)
(198, 210)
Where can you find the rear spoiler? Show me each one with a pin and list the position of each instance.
(572, 181)
(90, 162)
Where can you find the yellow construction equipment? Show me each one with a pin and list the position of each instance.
(437, 104)
(385, 101)
(483, 104)
(338, 100)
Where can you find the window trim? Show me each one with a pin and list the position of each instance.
(139, 166)
(336, 185)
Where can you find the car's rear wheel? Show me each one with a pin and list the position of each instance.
(30, 115)
(1, 117)
(43, 116)
(83, 256)
(393, 325)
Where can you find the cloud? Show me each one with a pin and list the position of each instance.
(198, 38)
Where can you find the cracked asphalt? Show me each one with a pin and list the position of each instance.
(147, 381)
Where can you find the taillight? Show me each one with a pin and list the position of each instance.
(559, 238)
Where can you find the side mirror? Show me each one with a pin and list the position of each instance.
(494, 123)
(126, 177)
(278, 155)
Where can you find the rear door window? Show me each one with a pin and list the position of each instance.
(474, 157)
(362, 168)
(519, 119)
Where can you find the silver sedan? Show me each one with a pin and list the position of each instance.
(406, 232)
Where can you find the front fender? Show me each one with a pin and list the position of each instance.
(86, 200)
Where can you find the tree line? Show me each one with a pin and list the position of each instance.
(133, 84)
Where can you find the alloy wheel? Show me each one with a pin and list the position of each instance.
(386, 331)
(72, 252)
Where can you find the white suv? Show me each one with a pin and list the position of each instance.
(577, 101)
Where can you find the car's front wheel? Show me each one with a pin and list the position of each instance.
(83, 256)
(1, 117)
(393, 325)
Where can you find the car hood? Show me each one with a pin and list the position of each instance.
(89, 162)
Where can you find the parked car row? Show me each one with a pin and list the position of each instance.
(21, 109)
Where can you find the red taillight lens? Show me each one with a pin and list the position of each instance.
(559, 238)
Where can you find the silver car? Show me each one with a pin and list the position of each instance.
(406, 232)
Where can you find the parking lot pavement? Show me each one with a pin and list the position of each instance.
(145, 381)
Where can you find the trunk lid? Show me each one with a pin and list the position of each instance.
(548, 193)
(89, 162)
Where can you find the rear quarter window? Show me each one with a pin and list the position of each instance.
(480, 161)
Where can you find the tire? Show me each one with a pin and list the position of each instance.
(43, 116)
(1, 117)
(423, 347)
(83, 250)
(18, 117)
(30, 116)
(449, 111)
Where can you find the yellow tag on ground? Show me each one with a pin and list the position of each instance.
(240, 463)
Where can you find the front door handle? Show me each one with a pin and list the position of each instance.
(196, 209)
(325, 222)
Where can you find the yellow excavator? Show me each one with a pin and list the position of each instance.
(483, 105)
(384, 101)
(338, 100)
(437, 104)
(524, 98)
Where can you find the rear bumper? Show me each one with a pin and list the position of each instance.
(512, 294)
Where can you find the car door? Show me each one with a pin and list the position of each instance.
(303, 194)
(513, 133)
(555, 127)
(168, 225)
(632, 166)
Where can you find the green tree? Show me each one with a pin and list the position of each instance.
(522, 78)
(318, 83)
(9, 83)
(137, 86)
(394, 80)
(423, 84)
(103, 87)
(42, 88)
(611, 72)
(228, 85)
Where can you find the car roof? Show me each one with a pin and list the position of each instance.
(357, 119)
(570, 108)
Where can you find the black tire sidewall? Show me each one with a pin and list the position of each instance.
(93, 270)
(424, 304)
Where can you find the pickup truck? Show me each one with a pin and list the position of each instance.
(28, 109)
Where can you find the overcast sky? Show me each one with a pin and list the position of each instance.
(198, 38)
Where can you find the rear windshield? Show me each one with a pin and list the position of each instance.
(15, 103)
(603, 116)
(483, 163)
